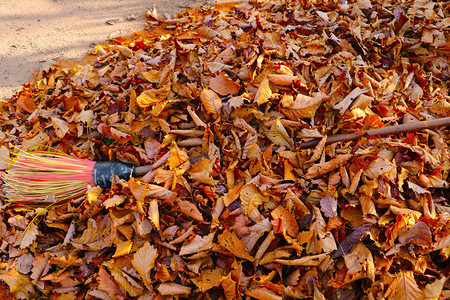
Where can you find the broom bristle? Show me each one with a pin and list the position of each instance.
(34, 176)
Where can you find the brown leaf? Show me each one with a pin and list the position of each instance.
(419, 234)
(289, 223)
(328, 205)
(172, 288)
(4, 158)
(279, 136)
(61, 127)
(29, 236)
(263, 294)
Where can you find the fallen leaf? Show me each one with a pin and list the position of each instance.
(236, 246)
(211, 102)
(144, 261)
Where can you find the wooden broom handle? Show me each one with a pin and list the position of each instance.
(389, 130)
(142, 170)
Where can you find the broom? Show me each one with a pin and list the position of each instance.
(36, 175)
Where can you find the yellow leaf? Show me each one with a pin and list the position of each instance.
(113, 201)
(279, 136)
(251, 197)
(144, 261)
(198, 244)
(303, 107)
(153, 96)
(153, 213)
(263, 93)
(229, 287)
(177, 157)
(236, 246)
(17, 282)
(123, 248)
(208, 279)
(211, 102)
(404, 287)
(29, 236)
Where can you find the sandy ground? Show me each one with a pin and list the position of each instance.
(35, 33)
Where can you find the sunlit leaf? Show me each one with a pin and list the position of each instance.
(208, 279)
(211, 102)
(404, 287)
(197, 244)
(191, 210)
(144, 261)
(236, 246)
(251, 197)
(279, 136)
(29, 236)
(263, 93)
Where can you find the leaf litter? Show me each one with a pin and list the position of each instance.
(217, 100)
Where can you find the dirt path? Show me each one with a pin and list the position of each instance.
(33, 34)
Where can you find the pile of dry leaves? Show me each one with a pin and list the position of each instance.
(218, 100)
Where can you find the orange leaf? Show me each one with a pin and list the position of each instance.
(303, 106)
(288, 220)
(251, 197)
(26, 104)
(223, 85)
(144, 261)
(190, 210)
(211, 102)
(208, 279)
(177, 157)
(236, 246)
(404, 287)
